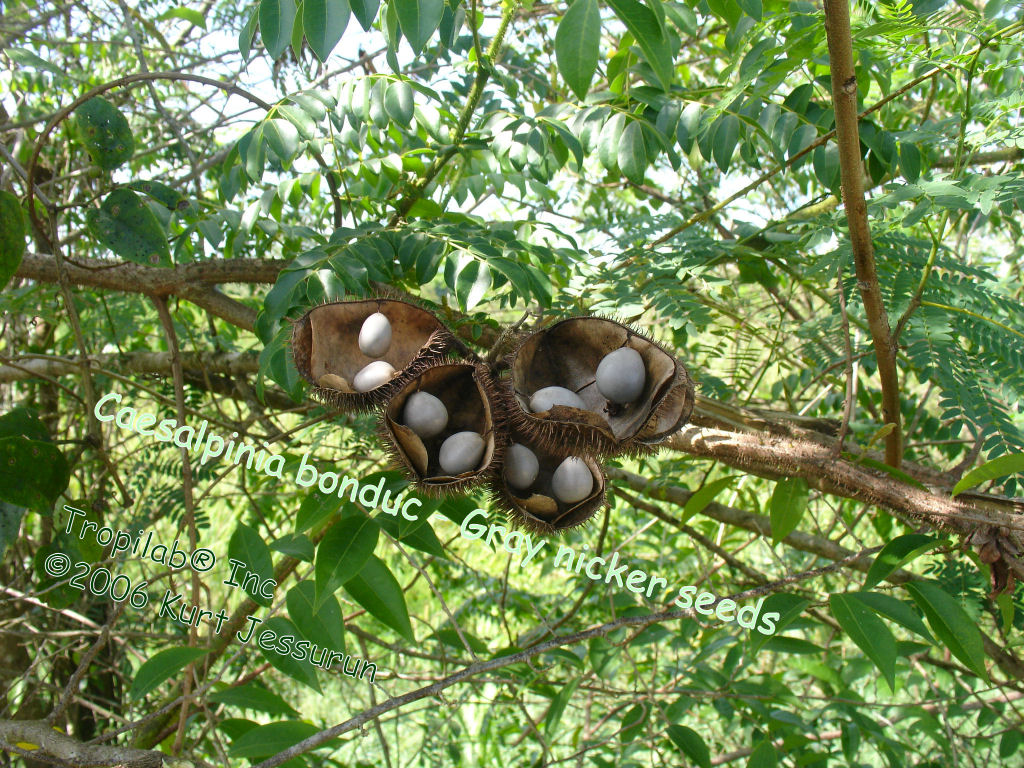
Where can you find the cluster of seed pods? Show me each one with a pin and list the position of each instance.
(532, 426)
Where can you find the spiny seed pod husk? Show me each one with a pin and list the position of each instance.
(466, 390)
(536, 508)
(567, 355)
(325, 347)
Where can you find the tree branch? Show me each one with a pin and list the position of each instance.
(844, 99)
(55, 744)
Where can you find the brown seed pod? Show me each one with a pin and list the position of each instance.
(325, 346)
(672, 413)
(465, 391)
(567, 354)
(536, 507)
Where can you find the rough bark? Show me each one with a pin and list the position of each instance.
(53, 744)
(844, 98)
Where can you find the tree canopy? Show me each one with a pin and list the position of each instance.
(814, 207)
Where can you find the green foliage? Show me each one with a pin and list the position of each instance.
(345, 549)
(649, 161)
(104, 132)
(161, 667)
(129, 228)
(12, 236)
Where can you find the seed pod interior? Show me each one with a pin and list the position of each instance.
(462, 389)
(567, 355)
(536, 506)
(326, 349)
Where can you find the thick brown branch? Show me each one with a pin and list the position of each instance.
(194, 282)
(773, 456)
(54, 744)
(137, 278)
(844, 98)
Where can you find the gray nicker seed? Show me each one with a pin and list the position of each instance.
(425, 415)
(521, 466)
(621, 375)
(572, 481)
(544, 399)
(372, 376)
(375, 335)
(461, 452)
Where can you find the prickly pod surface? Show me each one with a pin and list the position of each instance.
(344, 349)
(449, 459)
(538, 506)
(645, 394)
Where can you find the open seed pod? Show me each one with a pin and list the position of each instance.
(535, 504)
(328, 345)
(444, 401)
(672, 413)
(654, 394)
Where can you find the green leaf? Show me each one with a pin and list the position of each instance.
(896, 610)
(650, 35)
(26, 58)
(324, 625)
(951, 624)
(632, 722)
(12, 236)
(23, 422)
(191, 15)
(1009, 743)
(10, 524)
(705, 495)
(1004, 465)
(324, 23)
(162, 666)
(377, 590)
(897, 553)
(255, 697)
(752, 8)
(248, 546)
(276, 20)
(315, 508)
(365, 12)
(689, 742)
(472, 283)
(425, 208)
(105, 133)
(632, 154)
(789, 500)
(577, 44)
(303, 671)
(283, 138)
(910, 161)
(33, 473)
(688, 125)
(342, 552)
(608, 141)
(127, 226)
(399, 103)
(294, 545)
(297, 35)
(726, 135)
(167, 196)
(826, 165)
(422, 537)
(267, 740)
(763, 756)
(868, 631)
(247, 33)
(553, 719)
(418, 20)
